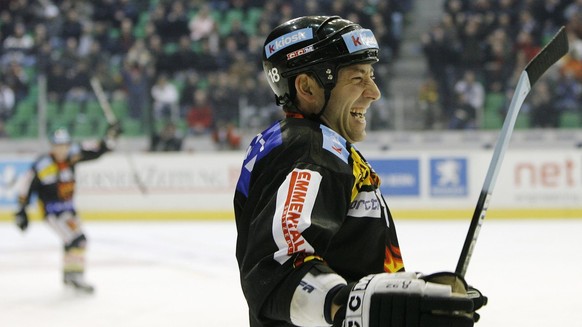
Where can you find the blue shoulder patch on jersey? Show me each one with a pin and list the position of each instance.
(334, 143)
(260, 146)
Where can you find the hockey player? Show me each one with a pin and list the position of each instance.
(52, 178)
(316, 241)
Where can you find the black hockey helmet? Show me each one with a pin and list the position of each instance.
(314, 44)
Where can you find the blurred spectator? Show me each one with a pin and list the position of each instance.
(170, 20)
(167, 139)
(543, 112)
(498, 60)
(18, 47)
(70, 54)
(184, 59)
(568, 93)
(463, 115)
(202, 24)
(137, 85)
(57, 84)
(139, 54)
(224, 97)
(199, 115)
(471, 55)
(78, 79)
(176, 22)
(16, 77)
(441, 54)
(572, 61)
(71, 27)
(165, 99)
(122, 41)
(471, 92)
(226, 137)
(7, 101)
(428, 99)
(239, 35)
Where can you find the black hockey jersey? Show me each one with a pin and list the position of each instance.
(54, 182)
(306, 193)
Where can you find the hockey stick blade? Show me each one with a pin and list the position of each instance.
(549, 55)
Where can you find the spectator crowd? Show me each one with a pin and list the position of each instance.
(477, 50)
(187, 62)
(196, 65)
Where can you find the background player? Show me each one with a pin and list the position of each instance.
(52, 178)
(313, 228)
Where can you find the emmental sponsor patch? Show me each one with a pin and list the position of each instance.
(295, 201)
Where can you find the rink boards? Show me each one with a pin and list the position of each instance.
(440, 184)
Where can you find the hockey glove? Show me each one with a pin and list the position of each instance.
(111, 135)
(21, 219)
(113, 130)
(402, 299)
(459, 285)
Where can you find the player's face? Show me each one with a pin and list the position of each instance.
(350, 99)
(60, 151)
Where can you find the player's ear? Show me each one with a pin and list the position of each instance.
(307, 90)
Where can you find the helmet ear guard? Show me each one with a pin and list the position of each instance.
(317, 45)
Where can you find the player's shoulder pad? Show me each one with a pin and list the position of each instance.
(334, 143)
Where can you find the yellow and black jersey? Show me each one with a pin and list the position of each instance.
(306, 196)
(54, 182)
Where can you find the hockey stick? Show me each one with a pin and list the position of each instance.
(112, 120)
(551, 53)
(103, 103)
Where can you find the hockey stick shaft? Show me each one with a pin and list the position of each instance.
(111, 119)
(103, 103)
(551, 53)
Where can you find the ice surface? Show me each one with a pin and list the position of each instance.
(185, 273)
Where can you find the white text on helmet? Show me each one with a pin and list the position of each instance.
(286, 40)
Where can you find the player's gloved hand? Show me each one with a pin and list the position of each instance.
(460, 286)
(21, 219)
(113, 130)
(402, 299)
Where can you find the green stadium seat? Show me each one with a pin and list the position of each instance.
(120, 109)
(52, 109)
(70, 110)
(31, 129)
(522, 122)
(231, 16)
(492, 117)
(84, 129)
(15, 129)
(251, 22)
(131, 127)
(569, 119)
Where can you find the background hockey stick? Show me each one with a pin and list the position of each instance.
(103, 103)
(551, 53)
(112, 120)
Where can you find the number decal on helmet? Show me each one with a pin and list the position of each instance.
(274, 75)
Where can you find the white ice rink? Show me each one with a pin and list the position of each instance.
(184, 273)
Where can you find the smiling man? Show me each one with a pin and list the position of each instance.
(316, 242)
